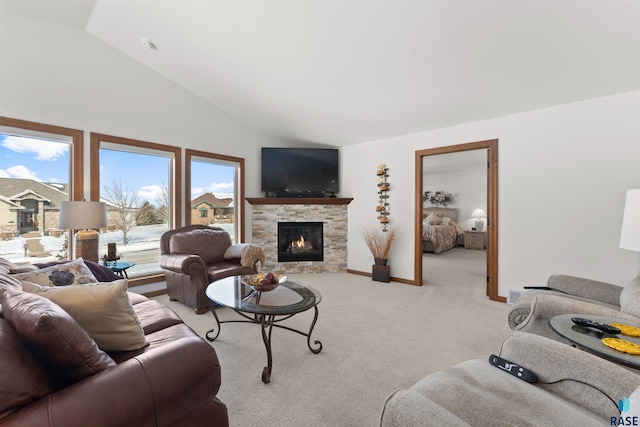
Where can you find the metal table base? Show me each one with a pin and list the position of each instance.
(267, 322)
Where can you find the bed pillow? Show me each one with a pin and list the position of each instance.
(54, 336)
(102, 309)
(446, 220)
(434, 219)
(73, 272)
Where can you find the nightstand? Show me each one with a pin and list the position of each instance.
(474, 240)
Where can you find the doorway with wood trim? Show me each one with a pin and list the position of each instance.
(491, 147)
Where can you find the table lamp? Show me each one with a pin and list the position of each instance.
(479, 214)
(630, 234)
(85, 217)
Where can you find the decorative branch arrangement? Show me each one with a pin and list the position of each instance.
(383, 204)
(379, 244)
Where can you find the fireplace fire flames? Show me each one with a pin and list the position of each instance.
(301, 246)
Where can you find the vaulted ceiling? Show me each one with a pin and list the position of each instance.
(340, 72)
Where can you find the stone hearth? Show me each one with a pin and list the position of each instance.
(332, 212)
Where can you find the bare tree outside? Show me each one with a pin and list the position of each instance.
(162, 198)
(126, 202)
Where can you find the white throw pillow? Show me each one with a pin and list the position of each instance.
(73, 272)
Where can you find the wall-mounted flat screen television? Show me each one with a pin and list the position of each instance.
(299, 172)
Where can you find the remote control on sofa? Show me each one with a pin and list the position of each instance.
(513, 369)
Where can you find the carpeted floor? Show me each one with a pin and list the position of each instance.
(377, 337)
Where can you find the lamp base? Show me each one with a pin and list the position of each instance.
(87, 242)
(479, 225)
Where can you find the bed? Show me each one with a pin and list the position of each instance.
(441, 237)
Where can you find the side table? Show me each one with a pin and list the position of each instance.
(120, 267)
(474, 240)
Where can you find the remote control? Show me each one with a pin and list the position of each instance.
(513, 369)
(592, 324)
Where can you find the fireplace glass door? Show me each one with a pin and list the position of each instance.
(300, 241)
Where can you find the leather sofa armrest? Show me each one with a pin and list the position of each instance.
(191, 265)
(586, 288)
(546, 306)
(155, 388)
(585, 379)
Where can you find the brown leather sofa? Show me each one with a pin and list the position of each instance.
(196, 255)
(172, 381)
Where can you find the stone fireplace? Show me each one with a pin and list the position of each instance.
(322, 222)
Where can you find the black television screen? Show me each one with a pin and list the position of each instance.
(296, 171)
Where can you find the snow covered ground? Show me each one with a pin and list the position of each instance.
(140, 239)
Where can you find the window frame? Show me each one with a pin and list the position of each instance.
(175, 184)
(239, 191)
(76, 155)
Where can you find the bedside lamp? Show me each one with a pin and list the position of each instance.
(84, 216)
(630, 234)
(479, 214)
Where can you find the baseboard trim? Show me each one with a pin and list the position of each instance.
(393, 279)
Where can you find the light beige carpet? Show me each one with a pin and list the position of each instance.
(377, 337)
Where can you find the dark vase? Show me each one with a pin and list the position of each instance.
(380, 261)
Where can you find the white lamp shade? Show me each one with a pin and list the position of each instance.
(478, 213)
(82, 215)
(630, 234)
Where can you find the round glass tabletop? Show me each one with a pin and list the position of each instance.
(288, 298)
(591, 339)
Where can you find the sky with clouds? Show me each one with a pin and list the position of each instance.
(48, 161)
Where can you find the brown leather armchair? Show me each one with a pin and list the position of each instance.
(196, 255)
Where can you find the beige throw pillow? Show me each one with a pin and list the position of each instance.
(102, 309)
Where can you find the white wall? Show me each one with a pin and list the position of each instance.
(563, 174)
(64, 76)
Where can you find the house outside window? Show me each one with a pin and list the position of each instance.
(215, 182)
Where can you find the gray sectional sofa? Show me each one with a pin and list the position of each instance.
(579, 389)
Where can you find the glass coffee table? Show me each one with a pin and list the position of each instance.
(267, 309)
(590, 339)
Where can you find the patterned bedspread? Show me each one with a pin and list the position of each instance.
(443, 237)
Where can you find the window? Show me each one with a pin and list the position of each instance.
(40, 166)
(204, 213)
(140, 183)
(218, 181)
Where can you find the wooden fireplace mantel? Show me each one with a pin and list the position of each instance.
(299, 200)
